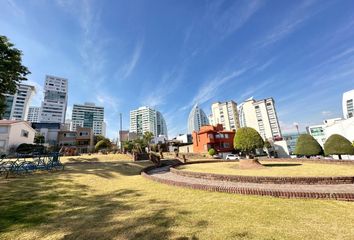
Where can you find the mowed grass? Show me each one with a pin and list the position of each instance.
(96, 158)
(274, 169)
(110, 200)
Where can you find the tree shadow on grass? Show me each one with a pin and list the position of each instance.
(51, 205)
(281, 164)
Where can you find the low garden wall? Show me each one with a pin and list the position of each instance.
(266, 179)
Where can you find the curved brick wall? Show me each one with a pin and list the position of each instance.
(252, 191)
(266, 179)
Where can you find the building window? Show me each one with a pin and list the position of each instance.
(226, 145)
(24, 133)
(226, 135)
(2, 143)
(210, 136)
(3, 129)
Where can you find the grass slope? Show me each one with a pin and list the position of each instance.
(112, 201)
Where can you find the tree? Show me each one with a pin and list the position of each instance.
(39, 138)
(338, 145)
(267, 145)
(248, 140)
(307, 146)
(12, 72)
(103, 144)
(98, 138)
(147, 137)
(212, 152)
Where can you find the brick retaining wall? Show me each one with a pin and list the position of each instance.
(266, 179)
(252, 191)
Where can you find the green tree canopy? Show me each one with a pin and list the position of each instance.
(147, 137)
(103, 144)
(12, 72)
(212, 152)
(338, 145)
(247, 140)
(267, 144)
(39, 138)
(307, 146)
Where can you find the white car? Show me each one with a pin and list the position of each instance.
(232, 157)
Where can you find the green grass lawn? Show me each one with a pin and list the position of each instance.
(274, 169)
(112, 201)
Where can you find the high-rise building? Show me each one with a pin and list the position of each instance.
(17, 105)
(225, 114)
(33, 114)
(161, 127)
(260, 115)
(146, 119)
(55, 100)
(348, 104)
(196, 119)
(89, 116)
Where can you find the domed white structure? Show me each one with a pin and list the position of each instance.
(196, 119)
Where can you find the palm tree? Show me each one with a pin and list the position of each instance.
(147, 137)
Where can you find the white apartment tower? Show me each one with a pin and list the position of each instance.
(17, 105)
(146, 119)
(33, 114)
(226, 114)
(196, 119)
(260, 115)
(348, 104)
(88, 115)
(55, 101)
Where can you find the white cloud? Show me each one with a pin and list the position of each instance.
(233, 18)
(326, 113)
(289, 24)
(39, 94)
(166, 86)
(134, 59)
(210, 88)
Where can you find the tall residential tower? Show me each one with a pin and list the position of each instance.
(55, 100)
(226, 114)
(89, 116)
(146, 119)
(348, 104)
(17, 105)
(260, 115)
(196, 119)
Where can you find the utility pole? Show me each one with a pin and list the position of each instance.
(120, 132)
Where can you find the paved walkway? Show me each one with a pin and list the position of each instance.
(336, 191)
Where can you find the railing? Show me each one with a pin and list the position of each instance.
(23, 164)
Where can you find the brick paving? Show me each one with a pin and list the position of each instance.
(336, 191)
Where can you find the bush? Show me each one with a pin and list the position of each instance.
(25, 148)
(338, 145)
(247, 140)
(307, 146)
(103, 144)
(212, 152)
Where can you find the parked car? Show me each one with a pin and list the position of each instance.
(232, 157)
(216, 156)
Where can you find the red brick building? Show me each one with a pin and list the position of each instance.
(213, 137)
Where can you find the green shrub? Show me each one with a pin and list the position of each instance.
(212, 152)
(26, 148)
(307, 146)
(247, 140)
(103, 144)
(338, 145)
(267, 144)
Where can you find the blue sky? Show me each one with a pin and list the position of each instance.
(172, 54)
